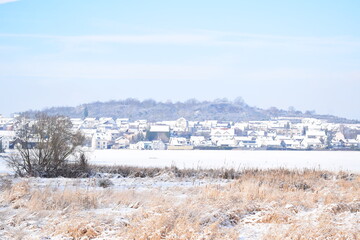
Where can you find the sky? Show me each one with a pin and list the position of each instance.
(281, 53)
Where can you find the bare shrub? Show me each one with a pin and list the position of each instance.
(105, 183)
(151, 172)
(83, 230)
(5, 183)
(44, 146)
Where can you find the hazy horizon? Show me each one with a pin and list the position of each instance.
(280, 54)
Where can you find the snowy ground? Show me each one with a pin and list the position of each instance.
(325, 160)
(26, 217)
(261, 205)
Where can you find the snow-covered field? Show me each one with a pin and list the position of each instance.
(270, 204)
(326, 160)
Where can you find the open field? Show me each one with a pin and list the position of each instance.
(325, 160)
(203, 159)
(260, 204)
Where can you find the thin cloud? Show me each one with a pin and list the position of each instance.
(130, 39)
(7, 1)
(115, 71)
(212, 38)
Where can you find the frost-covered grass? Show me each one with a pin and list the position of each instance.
(260, 204)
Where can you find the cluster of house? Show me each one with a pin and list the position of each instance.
(279, 133)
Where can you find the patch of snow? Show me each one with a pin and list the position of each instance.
(253, 231)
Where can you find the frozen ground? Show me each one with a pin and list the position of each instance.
(325, 160)
(269, 205)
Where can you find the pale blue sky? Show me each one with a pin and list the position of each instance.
(304, 54)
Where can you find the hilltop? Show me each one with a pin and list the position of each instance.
(192, 109)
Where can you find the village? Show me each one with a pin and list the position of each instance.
(282, 133)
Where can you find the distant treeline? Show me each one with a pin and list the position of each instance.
(192, 109)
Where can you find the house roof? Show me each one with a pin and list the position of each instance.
(315, 133)
(160, 128)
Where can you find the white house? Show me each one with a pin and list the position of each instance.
(6, 137)
(160, 128)
(158, 145)
(76, 123)
(121, 121)
(282, 137)
(314, 143)
(293, 144)
(221, 134)
(197, 140)
(106, 123)
(256, 133)
(4, 143)
(90, 123)
(142, 125)
(142, 145)
(224, 124)
(4, 120)
(269, 143)
(339, 136)
(315, 134)
(241, 125)
(122, 124)
(181, 125)
(209, 123)
(106, 120)
(247, 142)
(133, 127)
(226, 143)
(178, 141)
(121, 142)
(113, 134)
(100, 141)
(160, 132)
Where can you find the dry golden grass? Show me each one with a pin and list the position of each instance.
(80, 229)
(304, 204)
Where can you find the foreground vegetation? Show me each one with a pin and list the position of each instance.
(258, 204)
